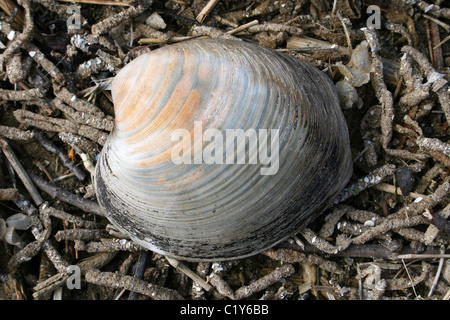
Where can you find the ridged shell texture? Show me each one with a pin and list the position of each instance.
(207, 210)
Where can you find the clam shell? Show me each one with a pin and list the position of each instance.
(217, 211)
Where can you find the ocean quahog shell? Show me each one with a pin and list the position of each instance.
(164, 177)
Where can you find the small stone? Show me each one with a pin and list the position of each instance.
(405, 179)
(155, 21)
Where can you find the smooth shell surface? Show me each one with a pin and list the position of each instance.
(207, 210)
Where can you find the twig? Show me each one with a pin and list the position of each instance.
(79, 222)
(66, 196)
(21, 38)
(407, 216)
(183, 268)
(441, 223)
(276, 27)
(439, 84)
(80, 234)
(13, 133)
(115, 280)
(243, 27)
(111, 22)
(206, 10)
(396, 190)
(221, 285)
(100, 2)
(19, 169)
(294, 256)
(262, 283)
(58, 280)
(25, 254)
(381, 90)
(370, 180)
(422, 256)
(347, 35)
(108, 245)
(438, 273)
(47, 144)
(16, 95)
(46, 64)
(60, 125)
(58, 261)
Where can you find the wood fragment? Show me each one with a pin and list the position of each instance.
(107, 24)
(183, 268)
(66, 196)
(262, 283)
(100, 2)
(206, 10)
(116, 280)
(20, 39)
(20, 170)
(381, 90)
(377, 176)
(99, 260)
(396, 190)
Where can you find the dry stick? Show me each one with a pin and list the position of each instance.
(184, 269)
(100, 2)
(108, 245)
(78, 104)
(400, 284)
(276, 27)
(53, 255)
(99, 122)
(407, 216)
(206, 10)
(15, 163)
(221, 285)
(381, 90)
(347, 35)
(28, 252)
(262, 283)
(439, 84)
(60, 125)
(9, 194)
(423, 256)
(62, 154)
(438, 273)
(115, 20)
(214, 33)
(21, 38)
(47, 65)
(243, 27)
(396, 190)
(66, 196)
(139, 270)
(115, 280)
(58, 280)
(10, 8)
(13, 133)
(370, 180)
(290, 255)
(81, 234)
(24, 95)
(438, 220)
(321, 243)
